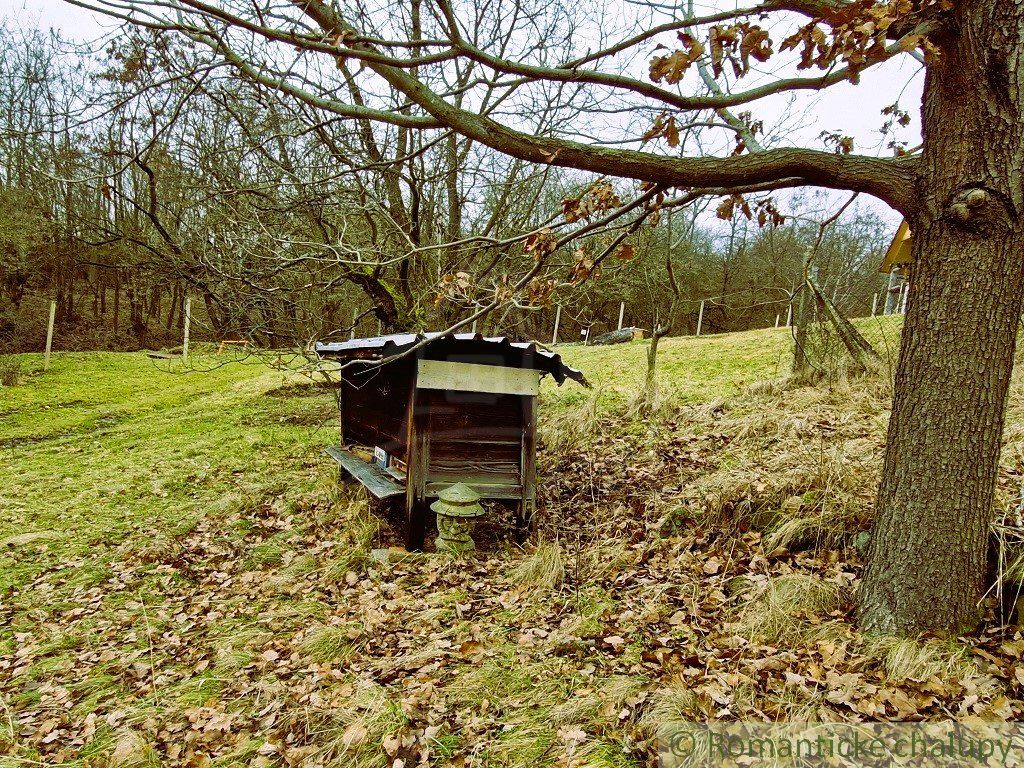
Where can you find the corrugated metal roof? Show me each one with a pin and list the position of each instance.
(378, 348)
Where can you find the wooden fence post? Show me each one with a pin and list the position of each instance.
(49, 335)
(622, 314)
(558, 317)
(700, 317)
(874, 304)
(778, 319)
(188, 322)
(352, 333)
(789, 315)
(474, 327)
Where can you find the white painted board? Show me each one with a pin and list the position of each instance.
(471, 377)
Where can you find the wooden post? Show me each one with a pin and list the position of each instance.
(352, 333)
(558, 317)
(622, 314)
(891, 295)
(528, 469)
(789, 315)
(188, 322)
(778, 319)
(700, 318)
(49, 335)
(903, 300)
(874, 304)
(379, 328)
(474, 326)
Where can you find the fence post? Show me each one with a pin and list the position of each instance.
(700, 317)
(558, 317)
(352, 333)
(188, 322)
(474, 326)
(622, 314)
(789, 315)
(49, 334)
(778, 319)
(874, 304)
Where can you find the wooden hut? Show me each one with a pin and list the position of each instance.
(436, 410)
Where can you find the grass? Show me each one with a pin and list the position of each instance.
(693, 370)
(178, 566)
(792, 609)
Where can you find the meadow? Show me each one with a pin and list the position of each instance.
(184, 582)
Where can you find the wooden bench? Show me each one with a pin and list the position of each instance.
(377, 481)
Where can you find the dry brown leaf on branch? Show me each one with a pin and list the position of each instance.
(672, 67)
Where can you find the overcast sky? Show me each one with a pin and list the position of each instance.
(848, 109)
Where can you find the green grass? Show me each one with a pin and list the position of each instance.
(105, 446)
(705, 368)
(170, 537)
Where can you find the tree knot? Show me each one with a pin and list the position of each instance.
(979, 209)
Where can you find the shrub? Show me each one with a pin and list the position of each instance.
(10, 370)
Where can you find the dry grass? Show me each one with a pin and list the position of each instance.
(675, 704)
(543, 568)
(578, 417)
(332, 643)
(791, 610)
(354, 734)
(801, 466)
(600, 561)
(907, 658)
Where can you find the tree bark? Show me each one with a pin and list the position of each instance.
(927, 558)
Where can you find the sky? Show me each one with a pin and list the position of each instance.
(845, 108)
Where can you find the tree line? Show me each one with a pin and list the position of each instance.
(142, 173)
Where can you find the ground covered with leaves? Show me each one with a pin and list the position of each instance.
(182, 581)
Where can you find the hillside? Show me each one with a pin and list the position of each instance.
(182, 581)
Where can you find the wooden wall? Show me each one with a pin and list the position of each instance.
(374, 406)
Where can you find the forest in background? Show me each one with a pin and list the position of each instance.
(136, 177)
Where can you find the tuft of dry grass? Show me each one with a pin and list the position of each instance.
(331, 643)
(578, 418)
(543, 568)
(353, 735)
(792, 609)
(602, 560)
(907, 658)
(674, 705)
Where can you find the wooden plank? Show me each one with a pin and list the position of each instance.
(512, 491)
(454, 468)
(529, 468)
(471, 377)
(372, 477)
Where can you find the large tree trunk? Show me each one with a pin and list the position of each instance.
(926, 562)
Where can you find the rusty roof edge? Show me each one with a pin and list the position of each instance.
(393, 345)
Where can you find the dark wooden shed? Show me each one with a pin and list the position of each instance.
(442, 409)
